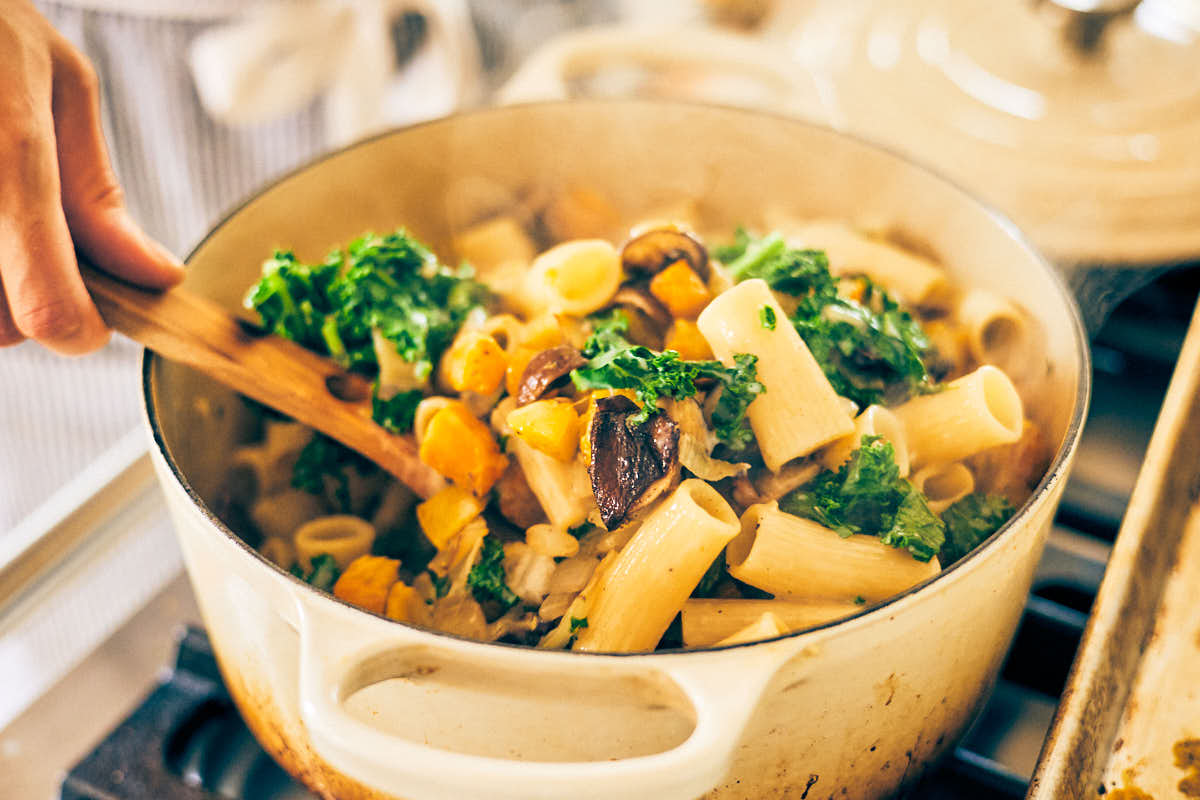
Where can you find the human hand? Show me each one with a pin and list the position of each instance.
(58, 192)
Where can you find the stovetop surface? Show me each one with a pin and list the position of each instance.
(185, 740)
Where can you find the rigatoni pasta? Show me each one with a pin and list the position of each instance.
(707, 621)
(787, 423)
(657, 570)
(944, 484)
(792, 557)
(971, 414)
(666, 443)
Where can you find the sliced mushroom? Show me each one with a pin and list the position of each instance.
(658, 248)
(517, 502)
(626, 461)
(640, 299)
(544, 369)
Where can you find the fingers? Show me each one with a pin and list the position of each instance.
(45, 296)
(91, 197)
(8, 330)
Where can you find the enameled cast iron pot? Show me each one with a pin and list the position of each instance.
(356, 705)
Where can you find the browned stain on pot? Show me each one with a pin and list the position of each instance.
(265, 720)
(1126, 792)
(1187, 757)
(885, 692)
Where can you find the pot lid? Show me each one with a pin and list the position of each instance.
(1082, 125)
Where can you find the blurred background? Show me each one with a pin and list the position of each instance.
(1078, 119)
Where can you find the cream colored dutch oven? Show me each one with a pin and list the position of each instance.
(356, 705)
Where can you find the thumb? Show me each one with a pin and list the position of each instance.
(92, 199)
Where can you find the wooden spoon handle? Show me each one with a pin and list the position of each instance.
(185, 327)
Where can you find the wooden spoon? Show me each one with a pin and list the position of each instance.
(277, 372)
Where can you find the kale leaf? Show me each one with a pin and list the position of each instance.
(786, 270)
(323, 575)
(711, 577)
(391, 283)
(323, 462)
(727, 253)
(486, 578)
(971, 520)
(395, 414)
(293, 298)
(867, 495)
(615, 363)
(869, 348)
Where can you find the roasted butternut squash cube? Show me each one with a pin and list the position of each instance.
(400, 600)
(518, 360)
(474, 363)
(366, 582)
(462, 448)
(550, 425)
(681, 290)
(687, 340)
(445, 514)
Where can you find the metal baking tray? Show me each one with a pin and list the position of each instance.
(1128, 725)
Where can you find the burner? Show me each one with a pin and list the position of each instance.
(184, 742)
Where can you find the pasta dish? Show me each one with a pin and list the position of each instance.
(672, 441)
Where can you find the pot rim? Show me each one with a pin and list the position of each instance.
(1054, 472)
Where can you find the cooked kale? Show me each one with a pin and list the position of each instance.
(392, 284)
(971, 520)
(867, 495)
(322, 465)
(711, 577)
(486, 578)
(869, 348)
(323, 575)
(395, 414)
(614, 363)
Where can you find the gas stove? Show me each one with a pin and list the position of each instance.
(142, 713)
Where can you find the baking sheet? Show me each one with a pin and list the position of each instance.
(1128, 725)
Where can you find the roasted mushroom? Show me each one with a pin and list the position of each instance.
(626, 461)
(516, 500)
(659, 248)
(544, 369)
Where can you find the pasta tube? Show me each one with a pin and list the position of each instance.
(974, 412)
(765, 627)
(996, 330)
(799, 411)
(494, 243)
(944, 484)
(793, 557)
(708, 621)
(279, 515)
(911, 277)
(656, 571)
(576, 277)
(873, 421)
(340, 535)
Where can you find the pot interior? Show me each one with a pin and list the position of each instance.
(628, 159)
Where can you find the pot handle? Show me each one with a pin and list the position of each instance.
(337, 644)
(545, 74)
